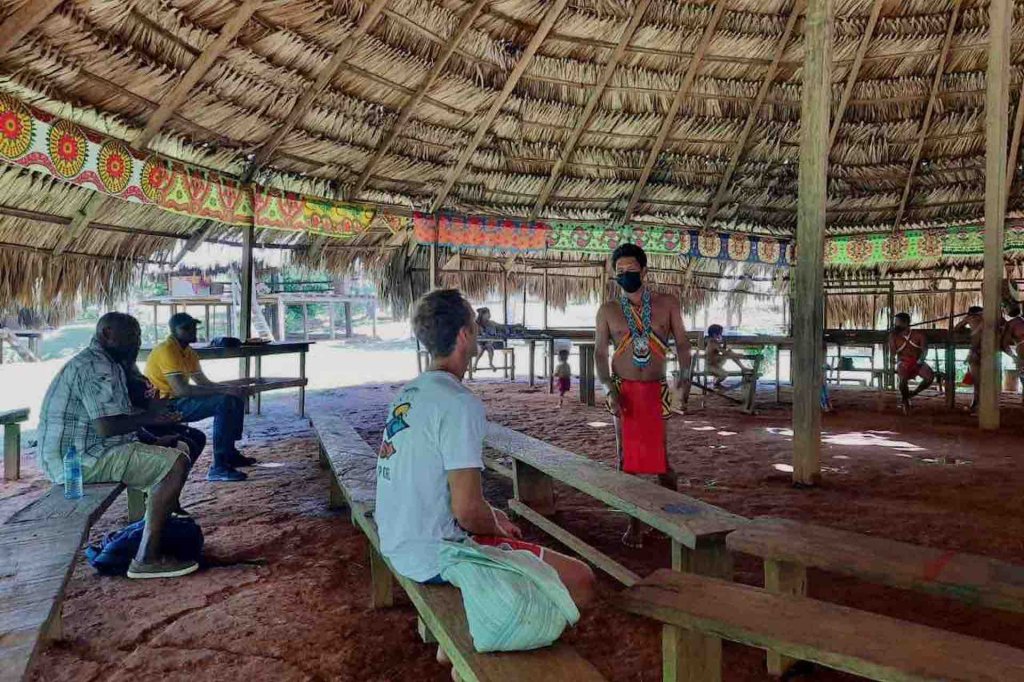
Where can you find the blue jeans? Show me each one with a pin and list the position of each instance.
(228, 414)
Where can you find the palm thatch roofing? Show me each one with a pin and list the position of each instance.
(672, 112)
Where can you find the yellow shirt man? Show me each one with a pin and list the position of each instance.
(170, 358)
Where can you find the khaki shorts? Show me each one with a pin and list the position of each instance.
(137, 465)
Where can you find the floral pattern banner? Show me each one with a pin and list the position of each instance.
(480, 232)
(33, 139)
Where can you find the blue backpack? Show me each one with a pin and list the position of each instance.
(182, 539)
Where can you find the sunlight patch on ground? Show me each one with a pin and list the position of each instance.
(702, 428)
(598, 425)
(726, 433)
(880, 439)
(787, 468)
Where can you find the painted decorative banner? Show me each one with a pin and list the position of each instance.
(481, 232)
(33, 139)
(671, 241)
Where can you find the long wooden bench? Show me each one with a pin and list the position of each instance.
(865, 644)
(442, 619)
(11, 421)
(38, 548)
(788, 548)
(697, 529)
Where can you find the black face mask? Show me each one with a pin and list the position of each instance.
(122, 355)
(630, 281)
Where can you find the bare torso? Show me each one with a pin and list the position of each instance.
(661, 324)
(907, 344)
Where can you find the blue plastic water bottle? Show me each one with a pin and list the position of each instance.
(72, 474)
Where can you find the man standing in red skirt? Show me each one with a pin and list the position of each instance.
(639, 324)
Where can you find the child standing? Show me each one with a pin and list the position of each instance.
(564, 375)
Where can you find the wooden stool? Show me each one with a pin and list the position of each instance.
(11, 420)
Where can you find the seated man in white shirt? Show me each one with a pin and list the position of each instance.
(429, 466)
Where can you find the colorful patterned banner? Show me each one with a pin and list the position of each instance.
(33, 139)
(481, 232)
(670, 241)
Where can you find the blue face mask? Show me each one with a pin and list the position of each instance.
(630, 281)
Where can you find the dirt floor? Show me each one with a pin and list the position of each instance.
(285, 596)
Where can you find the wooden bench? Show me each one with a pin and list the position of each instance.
(38, 548)
(442, 619)
(260, 385)
(697, 529)
(865, 644)
(748, 386)
(789, 547)
(11, 420)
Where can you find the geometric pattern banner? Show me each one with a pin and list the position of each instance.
(31, 138)
(482, 232)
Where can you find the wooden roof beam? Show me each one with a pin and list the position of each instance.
(748, 126)
(80, 221)
(1012, 158)
(858, 60)
(588, 112)
(194, 241)
(922, 135)
(18, 25)
(673, 110)
(510, 83)
(199, 68)
(465, 24)
(323, 79)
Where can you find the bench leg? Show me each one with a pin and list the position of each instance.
(12, 452)
(322, 456)
(533, 488)
(424, 632)
(55, 626)
(136, 505)
(336, 500)
(687, 655)
(783, 577)
(382, 583)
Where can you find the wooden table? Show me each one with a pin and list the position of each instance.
(257, 351)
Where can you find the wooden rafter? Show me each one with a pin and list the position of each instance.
(748, 126)
(202, 64)
(323, 78)
(197, 238)
(673, 110)
(80, 222)
(465, 24)
(510, 83)
(922, 135)
(18, 25)
(858, 60)
(588, 112)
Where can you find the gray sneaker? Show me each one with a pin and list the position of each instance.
(162, 568)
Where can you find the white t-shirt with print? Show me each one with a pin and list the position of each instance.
(434, 426)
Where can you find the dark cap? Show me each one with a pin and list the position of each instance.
(179, 320)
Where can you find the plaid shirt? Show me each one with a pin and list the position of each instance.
(91, 385)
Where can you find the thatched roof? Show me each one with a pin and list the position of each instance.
(650, 111)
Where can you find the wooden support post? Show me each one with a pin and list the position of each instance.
(808, 315)
(206, 322)
(533, 363)
(544, 309)
(997, 108)
(282, 320)
(504, 298)
(550, 361)
(245, 314)
(533, 488)
(951, 351)
(12, 451)
(433, 263)
(382, 593)
(330, 318)
(305, 322)
(688, 655)
(348, 319)
(136, 505)
(783, 577)
(302, 388)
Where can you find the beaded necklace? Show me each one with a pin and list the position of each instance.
(641, 337)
